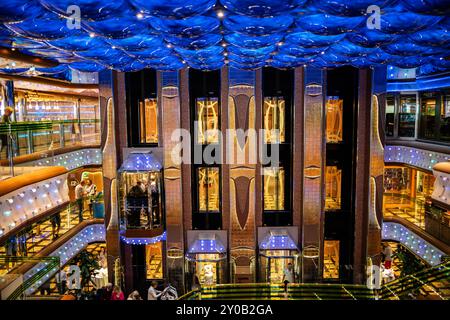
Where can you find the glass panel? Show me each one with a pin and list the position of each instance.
(333, 188)
(427, 116)
(407, 116)
(274, 188)
(331, 259)
(334, 119)
(208, 189)
(390, 108)
(148, 121)
(445, 119)
(206, 268)
(274, 120)
(279, 260)
(154, 262)
(207, 120)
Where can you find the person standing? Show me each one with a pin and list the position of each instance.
(80, 192)
(6, 118)
(61, 281)
(288, 276)
(153, 294)
(56, 225)
(91, 191)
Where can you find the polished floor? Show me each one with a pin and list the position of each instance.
(411, 210)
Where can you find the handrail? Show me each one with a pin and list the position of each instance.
(50, 263)
(38, 125)
(321, 291)
(38, 175)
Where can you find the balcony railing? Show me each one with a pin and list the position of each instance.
(22, 143)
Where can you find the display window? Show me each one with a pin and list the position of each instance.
(405, 193)
(333, 180)
(154, 261)
(148, 117)
(208, 189)
(274, 120)
(275, 262)
(407, 116)
(334, 119)
(274, 182)
(390, 115)
(207, 268)
(445, 119)
(331, 259)
(427, 116)
(208, 124)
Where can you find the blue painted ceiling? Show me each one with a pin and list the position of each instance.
(129, 35)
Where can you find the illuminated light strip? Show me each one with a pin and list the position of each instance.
(143, 241)
(412, 156)
(67, 251)
(397, 232)
(70, 160)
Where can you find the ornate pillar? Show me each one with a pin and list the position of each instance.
(362, 192)
(313, 178)
(170, 120)
(109, 99)
(243, 195)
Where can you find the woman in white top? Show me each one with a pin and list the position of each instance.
(153, 294)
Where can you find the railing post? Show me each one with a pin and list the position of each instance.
(62, 138)
(30, 148)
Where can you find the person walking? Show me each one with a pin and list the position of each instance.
(80, 192)
(6, 118)
(288, 277)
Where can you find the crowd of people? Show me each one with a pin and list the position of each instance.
(143, 202)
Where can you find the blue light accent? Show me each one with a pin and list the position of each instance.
(278, 242)
(140, 162)
(207, 246)
(129, 35)
(144, 241)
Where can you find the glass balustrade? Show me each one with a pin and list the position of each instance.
(24, 143)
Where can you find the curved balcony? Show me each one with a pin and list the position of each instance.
(31, 196)
(68, 143)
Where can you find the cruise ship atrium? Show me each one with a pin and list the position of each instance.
(224, 150)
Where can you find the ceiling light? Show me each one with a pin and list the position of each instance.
(220, 14)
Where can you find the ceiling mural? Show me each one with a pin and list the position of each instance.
(129, 35)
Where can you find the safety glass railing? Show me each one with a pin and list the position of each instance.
(321, 291)
(24, 145)
(32, 239)
(19, 286)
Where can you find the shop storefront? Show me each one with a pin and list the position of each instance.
(277, 249)
(405, 192)
(206, 258)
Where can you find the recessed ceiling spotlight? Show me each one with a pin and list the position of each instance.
(280, 43)
(169, 45)
(113, 47)
(220, 14)
(224, 44)
(225, 54)
(91, 34)
(139, 15)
